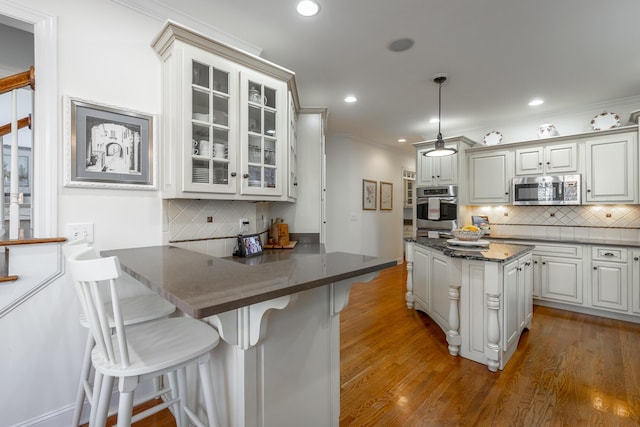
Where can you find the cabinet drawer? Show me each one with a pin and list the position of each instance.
(603, 253)
(573, 251)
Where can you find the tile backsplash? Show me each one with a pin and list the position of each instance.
(185, 223)
(619, 222)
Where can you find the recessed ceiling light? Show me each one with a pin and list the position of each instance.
(350, 99)
(307, 8)
(535, 102)
(434, 120)
(401, 45)
(402, 140)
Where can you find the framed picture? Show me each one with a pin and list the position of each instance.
(386, 196)
(249, 245)
(369, 195)
(108, 147)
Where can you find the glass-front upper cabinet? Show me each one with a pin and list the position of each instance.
(210, 158)
(264, 112)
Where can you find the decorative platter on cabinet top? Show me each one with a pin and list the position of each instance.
(605, 121)
(493, 138)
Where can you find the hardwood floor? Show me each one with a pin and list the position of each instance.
(569, 370)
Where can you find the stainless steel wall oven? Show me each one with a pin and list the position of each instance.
(436, 209)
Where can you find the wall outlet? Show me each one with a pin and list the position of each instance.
(244, 225)
(80, 231)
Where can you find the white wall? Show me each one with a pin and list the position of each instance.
(349, 227)
(104, 56)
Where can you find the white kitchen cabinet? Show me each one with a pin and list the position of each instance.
(409, 181)
(292, 158)
(226, 133)
(435, 171)
(610, 173)
(609, 278)
(489, 177)
(445, 170)
(547, 160)
(439, 289)
(518, 298)
(561, 279)
(421, 277)
(635, 281)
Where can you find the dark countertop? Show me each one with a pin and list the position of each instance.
(574, 241)
(496, 252)
(201, 285)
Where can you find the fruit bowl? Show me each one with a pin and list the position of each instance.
(467, 235)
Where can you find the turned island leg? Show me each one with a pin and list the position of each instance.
(409, 295)
(493, 332)
(453, 334)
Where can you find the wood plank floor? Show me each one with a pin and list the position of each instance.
(569, 370)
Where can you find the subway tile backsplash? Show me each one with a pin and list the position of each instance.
(612, 222)
(185, 223)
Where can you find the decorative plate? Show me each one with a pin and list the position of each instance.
(547, 130)
(605, 121)
(493, 138)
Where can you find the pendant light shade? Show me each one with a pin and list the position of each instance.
(440, 150)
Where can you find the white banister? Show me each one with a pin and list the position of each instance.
(14, 207)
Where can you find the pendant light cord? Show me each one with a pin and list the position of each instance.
(439, 108)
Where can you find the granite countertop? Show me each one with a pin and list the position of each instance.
(201, 285)
(496, 252)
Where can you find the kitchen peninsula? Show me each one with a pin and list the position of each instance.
(481, 297)
(278, 362)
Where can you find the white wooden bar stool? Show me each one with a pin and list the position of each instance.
(139, 352)
(135, 310)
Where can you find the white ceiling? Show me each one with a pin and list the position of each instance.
(499, 54)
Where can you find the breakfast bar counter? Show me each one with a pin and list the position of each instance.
(278, 314)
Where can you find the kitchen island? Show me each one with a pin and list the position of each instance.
(278, 362)
(481, 297)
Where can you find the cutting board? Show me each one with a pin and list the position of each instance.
(292, 244)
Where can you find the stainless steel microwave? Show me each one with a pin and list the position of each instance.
(547, 190)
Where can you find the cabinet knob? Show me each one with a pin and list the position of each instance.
(519, 268)
(540, 164)
(527, 264)
(636, 258)
(506, 194)
(295, 184)
(588, 191)
(548, 163)
(535, 262)
(544, 263)
(246, 175)
(595, 268)
(438, 176)
(432, 176)
(233, 174)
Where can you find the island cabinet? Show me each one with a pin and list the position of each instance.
(227, 121)
(482, 300)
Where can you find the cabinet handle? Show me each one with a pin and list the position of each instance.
(438, 176)
(548, 163)
(506, 194)
(609, 254)
(246, 175)
(295, 184)
(233, 174)
(527, 264)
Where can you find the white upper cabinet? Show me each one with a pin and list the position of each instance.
(610, 173)
(547, 160)
(435, 171)
(489, 177)
(225, 128)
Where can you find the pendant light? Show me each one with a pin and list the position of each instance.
(440, 150)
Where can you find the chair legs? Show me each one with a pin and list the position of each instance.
(207, 388)
(83, 385)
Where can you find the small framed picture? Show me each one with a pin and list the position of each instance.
(386, 196)
(108, 147)
(249, 245)
(369, 195)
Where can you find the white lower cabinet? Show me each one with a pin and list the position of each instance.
(635, 281)
(421, 265)
(439, 281)
(561, 279)
(609, 278)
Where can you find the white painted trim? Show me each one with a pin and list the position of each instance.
(46, 114)
(161, 12)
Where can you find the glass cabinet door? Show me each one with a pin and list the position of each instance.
(211, 130)
(264, 109)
